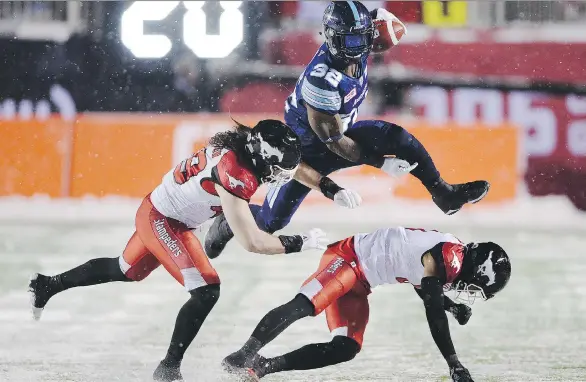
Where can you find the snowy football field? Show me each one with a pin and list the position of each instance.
(534, 331)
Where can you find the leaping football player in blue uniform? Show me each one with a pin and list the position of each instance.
(322, 110)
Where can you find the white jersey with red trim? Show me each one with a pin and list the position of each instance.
(188, 194)
(393, 255)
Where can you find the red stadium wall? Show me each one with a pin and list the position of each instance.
(482, 53)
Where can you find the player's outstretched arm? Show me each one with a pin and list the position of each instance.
(253, 239)
(461, 312)
(344, 197)
(433, 299)
(329, 130)
(308, 176)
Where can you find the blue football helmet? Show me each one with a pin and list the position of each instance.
(349, 30)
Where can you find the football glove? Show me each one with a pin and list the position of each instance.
(461, 313)
(347, 198)
(314, 239)
(460, 374)
(397, 167)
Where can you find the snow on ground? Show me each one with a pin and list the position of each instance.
(549, 213)
(534, 331)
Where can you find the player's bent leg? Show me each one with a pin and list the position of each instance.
(134, 265)
(334, 278)
(386, 138)
(136, 261)
(95, 271)
(279, 206)
(269, 327)
(347, 318)
(175, 247)
(313, 356)
(182, 255)
(189, 320)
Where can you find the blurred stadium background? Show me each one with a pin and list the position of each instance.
(469, 75)
(99, 99)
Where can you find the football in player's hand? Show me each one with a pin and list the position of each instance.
(388, 31)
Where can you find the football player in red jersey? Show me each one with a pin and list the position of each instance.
(431, 261)
(222, 177)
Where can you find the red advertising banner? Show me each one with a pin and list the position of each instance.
(553, 131)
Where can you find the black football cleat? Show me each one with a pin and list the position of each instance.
(234, 362)
(257, 370)
(40, 291)
(459, 373)
(239, 365)
(217, 237)
(167, 372)
(451, 199)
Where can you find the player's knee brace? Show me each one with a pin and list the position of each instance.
(346, 348)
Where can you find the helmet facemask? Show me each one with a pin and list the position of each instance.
(467, 293)
(486, 271)
(350, 46)
(279, 176)
(349, 30)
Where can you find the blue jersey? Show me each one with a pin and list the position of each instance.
(326, 90)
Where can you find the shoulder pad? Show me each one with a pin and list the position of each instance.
(319, 88)
(448, 258)
(235, 178)
(452, 256)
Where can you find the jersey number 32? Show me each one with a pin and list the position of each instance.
(332, 76)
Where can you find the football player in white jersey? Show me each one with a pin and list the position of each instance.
(221, 178)
(431, 261)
